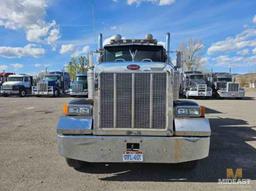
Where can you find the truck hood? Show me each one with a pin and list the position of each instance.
(12, 83)
(122, 66)
(196, 82)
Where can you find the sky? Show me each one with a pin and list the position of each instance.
(35, 34)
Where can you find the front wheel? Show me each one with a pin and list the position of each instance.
(56, 93)
(22, 93)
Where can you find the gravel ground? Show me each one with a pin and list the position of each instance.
(29, 159)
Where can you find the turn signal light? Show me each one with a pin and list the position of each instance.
(202, 111)
(65, 109)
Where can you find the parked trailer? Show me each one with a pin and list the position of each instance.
(79, 87)
(224, 87)
(17, 84)
(133, 114)
(52, 84)
(195, 84)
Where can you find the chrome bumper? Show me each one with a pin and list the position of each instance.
(78, 93)
(10, 92)
(199, 94)
(109, 149)
(238, 94)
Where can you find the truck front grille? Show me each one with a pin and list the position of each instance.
(202, 87)
(133, 100)
(77, 87)
(233, 87)
(42, 87)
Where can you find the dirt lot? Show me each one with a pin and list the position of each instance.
(29, 159)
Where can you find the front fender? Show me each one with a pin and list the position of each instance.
(192, 127)
(74, 125)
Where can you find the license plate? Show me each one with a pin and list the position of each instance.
(133, 156)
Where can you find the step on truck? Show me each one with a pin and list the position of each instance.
(196, 85)
(79, 86)
(132, 114)
(52, 84)
(225, 87)
(17, 84)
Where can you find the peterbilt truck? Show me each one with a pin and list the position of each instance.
(132, 114)
(52, 84)
(17, 84)
(224, 87)
(195, 85)
(79, 86)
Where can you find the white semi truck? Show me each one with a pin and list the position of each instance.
(196, 85)
(132, 114)
(225, 87)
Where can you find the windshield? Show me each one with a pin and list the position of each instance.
(15, 79)
(137, 53)
(51, 78)
(225, 79)
(196, 77)
(81, 78)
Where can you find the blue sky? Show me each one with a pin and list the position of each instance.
(46, 33)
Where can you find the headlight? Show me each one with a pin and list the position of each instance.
(190, 111)
(83, 110)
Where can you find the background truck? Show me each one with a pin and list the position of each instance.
(3, 77)
(53, 84)
(224, 87)
(79, 87)
(133, 114)
(17, 84)
(195, 84)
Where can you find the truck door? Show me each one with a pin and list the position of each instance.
(27, 82)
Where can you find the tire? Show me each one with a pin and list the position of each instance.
(76, 164)
(22, 93)
(5, 95)
(56, 93)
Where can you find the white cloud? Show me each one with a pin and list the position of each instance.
(158, 2)
(17, 66)
(3, 67)
(65, 48)
(238, 61)
(254, 51)
(29, 16)
(254, 19)
(247, 38)
(85, 50)
(243, 52)
(18, 52)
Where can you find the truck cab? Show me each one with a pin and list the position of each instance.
(132, 113)
(79, 87)
(196, 85)
(224, 87)
(17, 85)
(52, 84)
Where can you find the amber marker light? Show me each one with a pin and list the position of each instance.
(202, 111)
(65, 109)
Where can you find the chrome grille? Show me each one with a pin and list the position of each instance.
(77, 87)
(42, 87)
(233, 87)
(132, 100)
(202, 87)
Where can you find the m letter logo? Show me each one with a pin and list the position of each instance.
(238, 173)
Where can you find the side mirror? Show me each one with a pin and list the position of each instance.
(178, 60)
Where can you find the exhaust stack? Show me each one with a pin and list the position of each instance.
(167, 46)
(100, 42)
(90, 76)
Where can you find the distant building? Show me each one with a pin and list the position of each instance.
(252, 84)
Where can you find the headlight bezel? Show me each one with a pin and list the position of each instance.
(189, 111)
(78, 109)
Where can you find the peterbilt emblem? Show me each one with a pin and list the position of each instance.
(133, 67)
